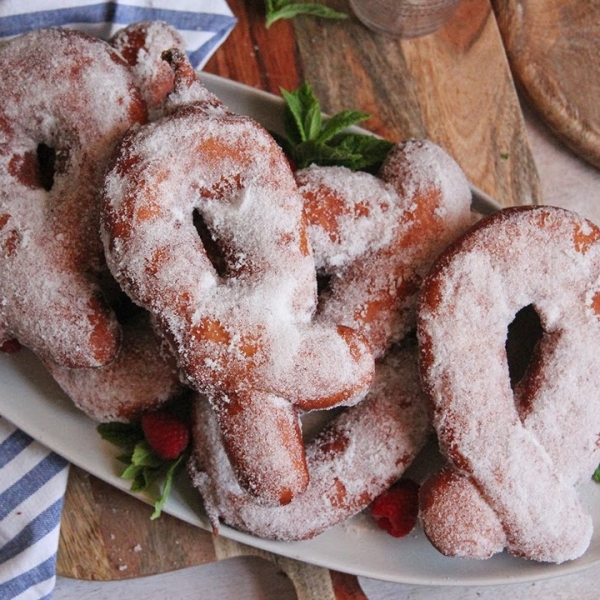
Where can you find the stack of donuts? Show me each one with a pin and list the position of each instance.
(155, 245)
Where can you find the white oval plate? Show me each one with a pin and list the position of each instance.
(32, 401)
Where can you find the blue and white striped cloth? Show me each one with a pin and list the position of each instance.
(32, 487)
(32, 478)
(204, 24)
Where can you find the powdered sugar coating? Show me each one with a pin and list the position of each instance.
(351, 462)
(524, 464)
(456, 518)
(252, 327)
(142, 45)
(64, 92)
(377, 237)
(138, 380)
(246, 332)
(350, 214)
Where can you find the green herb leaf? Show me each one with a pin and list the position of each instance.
(312, 139)
(144, 456)
(139, 481)
(168, 483)
(339, 122)
(125, 458)
(596, 475)
(123, 435)
(132, 472)
(288, 9)
(143, 467)
(302, 115)
(367, 152)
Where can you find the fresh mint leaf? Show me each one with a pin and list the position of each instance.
(166, 489)
(131, 472)
(143, 467)
(151, 474)
(123, 435)
(287, 9)
(310, 138)
(303, 119)
(144, 456)
(320, 154)
(134, 473)
(294, 115)
(125, 458)
(339, 122)
(367, 152)
(596, 475)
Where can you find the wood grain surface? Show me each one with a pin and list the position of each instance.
(107, 535)
(552, 46)
(453, 86)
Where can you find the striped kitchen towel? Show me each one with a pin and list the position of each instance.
(32, 486)
(203, 24)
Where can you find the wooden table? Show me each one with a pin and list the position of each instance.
(454, 87)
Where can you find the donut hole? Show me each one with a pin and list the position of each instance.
(211, 246)
(46, 158)
(314, 421)
(323, 285)
(522, 338)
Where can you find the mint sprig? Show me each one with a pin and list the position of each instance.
(310, 138)
(288, 9)
(143, 467)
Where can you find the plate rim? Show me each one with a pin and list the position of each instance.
(177, 505)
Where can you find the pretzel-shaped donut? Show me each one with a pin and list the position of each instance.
(138, 380)
(514, 458)
(353, 460)
(243, 335)
(55, 142)
(376, 237)
(361, 229)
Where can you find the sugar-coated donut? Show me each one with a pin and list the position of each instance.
(66, 100)
(521, 452)
(372, 238)
(457, 519)
(376, 238)
(138, 380)
(353, 460)
(245, 335)
(142, 45)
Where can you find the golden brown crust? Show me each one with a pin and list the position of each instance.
(246, 333)
(354, 459)
(501, 436)
(52, 161)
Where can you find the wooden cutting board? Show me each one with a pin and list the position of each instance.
(454, 87)
(553, 48)
(108, 535)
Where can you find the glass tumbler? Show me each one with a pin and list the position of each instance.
(404, 18)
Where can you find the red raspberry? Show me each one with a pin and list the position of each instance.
(396, 510)
(10, 346)
(165, 433)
